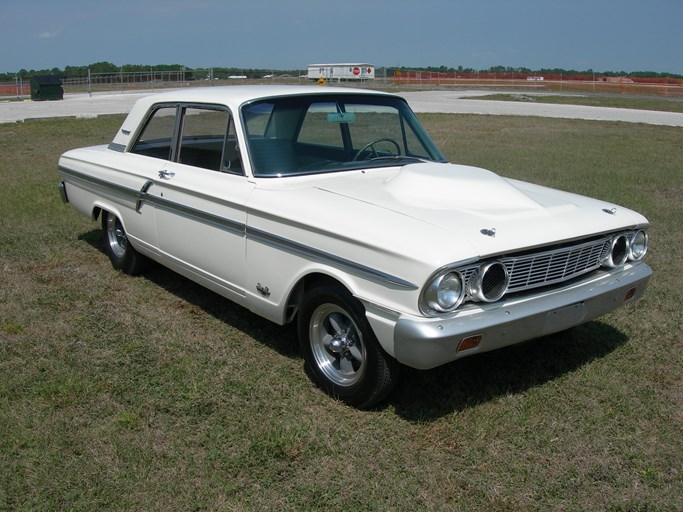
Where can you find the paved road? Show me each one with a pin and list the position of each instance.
(455, 103)
(83, 105)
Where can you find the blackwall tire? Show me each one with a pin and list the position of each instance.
(116, 245)
(340, 350)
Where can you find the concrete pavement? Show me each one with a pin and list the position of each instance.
(456, 102)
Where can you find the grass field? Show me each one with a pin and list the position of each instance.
(649, 103)
(151, 393)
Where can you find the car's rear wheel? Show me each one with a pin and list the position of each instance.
(121, 253)
(341, 352)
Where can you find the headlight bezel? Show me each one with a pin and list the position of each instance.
(635, 254)
(434, 298)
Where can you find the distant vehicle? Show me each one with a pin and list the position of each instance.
(268, 76)
(237, 77)
(332, 208)
(535, 78)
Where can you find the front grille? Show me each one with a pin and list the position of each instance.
(543, 268)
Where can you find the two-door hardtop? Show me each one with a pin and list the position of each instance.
(331, 207)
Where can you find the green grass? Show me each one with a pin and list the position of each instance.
(649, 103)
(151, 393)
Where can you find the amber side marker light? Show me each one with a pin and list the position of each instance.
(630, 294)
(470, 342)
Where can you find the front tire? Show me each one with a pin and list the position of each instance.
(116, 245)
(340, 350)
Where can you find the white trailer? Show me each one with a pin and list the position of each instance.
(339, 72)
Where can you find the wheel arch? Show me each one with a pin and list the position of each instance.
(307, 282)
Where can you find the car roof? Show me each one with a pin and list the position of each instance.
(231, 96)
(236, 95)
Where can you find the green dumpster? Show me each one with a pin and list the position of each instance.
(46, 87)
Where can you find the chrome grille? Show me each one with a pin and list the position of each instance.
(551, 266)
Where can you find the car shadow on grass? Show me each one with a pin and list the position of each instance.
(428, 395)
(421, 395)
(282, 339)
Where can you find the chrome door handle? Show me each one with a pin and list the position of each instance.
(166, 175)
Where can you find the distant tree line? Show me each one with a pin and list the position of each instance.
(107, 68)
(542, 71)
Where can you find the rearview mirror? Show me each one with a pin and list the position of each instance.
(341, 117)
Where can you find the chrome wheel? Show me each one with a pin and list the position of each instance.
(121, 252)
(340, 350)
(116, 236)
(337, 345)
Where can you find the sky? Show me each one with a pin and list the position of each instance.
(603, 35)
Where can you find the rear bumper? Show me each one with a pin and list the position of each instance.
(428, 342)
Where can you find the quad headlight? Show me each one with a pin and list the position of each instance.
(444, 293)
(638, 246)
(625, 247)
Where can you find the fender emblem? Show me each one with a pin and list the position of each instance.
(263, 290)
(489, 232)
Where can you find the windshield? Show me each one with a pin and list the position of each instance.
(327, 133)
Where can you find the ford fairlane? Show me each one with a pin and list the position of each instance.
(332, 208)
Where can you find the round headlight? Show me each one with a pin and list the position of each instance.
(445, 292)
(638, 246)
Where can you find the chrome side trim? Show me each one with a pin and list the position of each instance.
(231, 226)
(325, 257)
(142, 196)
(62, 192)
(79, 176)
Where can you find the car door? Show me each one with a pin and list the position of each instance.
(140, 166)
(200, 197)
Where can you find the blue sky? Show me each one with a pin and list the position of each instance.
(628, 35)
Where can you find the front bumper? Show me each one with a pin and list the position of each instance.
(428, 342)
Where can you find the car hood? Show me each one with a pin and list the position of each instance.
(492, 213)
(409, 221)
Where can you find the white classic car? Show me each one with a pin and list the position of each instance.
(333, 208)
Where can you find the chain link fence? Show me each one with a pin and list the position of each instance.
(154, 80)
(151, 80)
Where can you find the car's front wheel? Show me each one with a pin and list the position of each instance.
(340, 349)
(116, 245)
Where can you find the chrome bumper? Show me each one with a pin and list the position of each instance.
(428, 342)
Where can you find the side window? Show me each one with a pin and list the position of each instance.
(202, 137)
(156, 139)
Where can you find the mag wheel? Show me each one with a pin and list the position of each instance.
(341, 352)
(121, 253)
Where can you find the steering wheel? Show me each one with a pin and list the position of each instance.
(371, 145)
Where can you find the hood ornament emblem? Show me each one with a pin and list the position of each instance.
(612, 211)
(489, 232)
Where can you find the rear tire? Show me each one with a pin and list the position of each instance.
(340, 350)
(120, 251)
